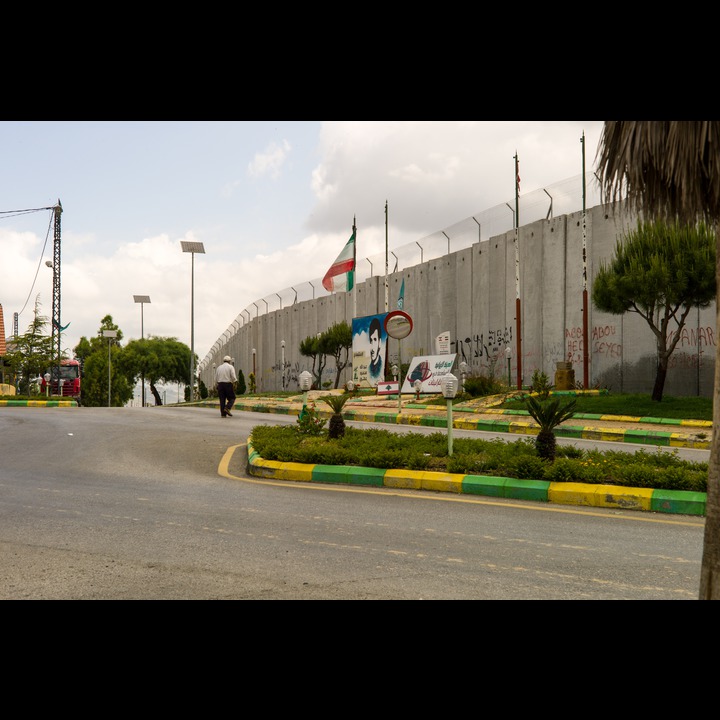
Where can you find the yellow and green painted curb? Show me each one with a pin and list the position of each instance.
(566, 493)
(38, 403)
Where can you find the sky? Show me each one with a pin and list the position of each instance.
(272, 202)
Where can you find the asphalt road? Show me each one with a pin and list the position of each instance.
(155, 503)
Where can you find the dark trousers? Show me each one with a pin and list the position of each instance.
(226, 393)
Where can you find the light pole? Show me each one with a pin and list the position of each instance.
(508, 355)
(142, 299)
(109, 334)
(449, 390)
(254, 352)
(396, 374)
(192, 248)
(305, 384)
(282, 347)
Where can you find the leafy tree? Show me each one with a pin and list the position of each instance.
(312, 347)
(660, 271)
(159, 359)
(670, 170)
(96, 374)
(338, 342)
(31, 354)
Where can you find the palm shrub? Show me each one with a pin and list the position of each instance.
(336, 426)
(548, 414)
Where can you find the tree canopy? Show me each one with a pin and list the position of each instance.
(659, 271)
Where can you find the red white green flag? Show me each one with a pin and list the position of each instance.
(341, 275)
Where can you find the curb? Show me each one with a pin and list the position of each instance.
(38, 403)
(512, 427)
(564, 493)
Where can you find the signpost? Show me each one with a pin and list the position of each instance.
(398, 325)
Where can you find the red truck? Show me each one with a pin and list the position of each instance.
(70, 377)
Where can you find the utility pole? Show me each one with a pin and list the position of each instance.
(56, 326)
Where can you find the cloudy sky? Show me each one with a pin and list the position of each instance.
(273, 203)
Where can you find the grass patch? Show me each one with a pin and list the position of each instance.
(636, 405)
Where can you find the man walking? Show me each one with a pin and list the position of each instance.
(225, 380)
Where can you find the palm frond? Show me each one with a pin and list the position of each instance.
(662, 168)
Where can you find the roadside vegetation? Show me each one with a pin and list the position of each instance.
(516, 459)
(309, 441)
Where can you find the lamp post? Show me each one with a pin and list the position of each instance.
(109, 334)
(305, 385)
(142, 299)
(449, 390)
(508, 355)
(282, 347)
(192, 248)
(254, 353)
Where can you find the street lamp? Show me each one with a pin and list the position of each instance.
(192, 247)
(142, 299)
(508, 355)
(109, 334)
(282, 346)
(305, 384)
(449, 390)
(254, 352)
(396, 374)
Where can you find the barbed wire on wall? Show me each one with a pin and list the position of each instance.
(562, 198)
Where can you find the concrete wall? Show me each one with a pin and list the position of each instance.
(472, 294)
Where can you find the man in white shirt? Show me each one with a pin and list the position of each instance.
(225, 380)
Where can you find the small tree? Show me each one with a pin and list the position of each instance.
(548, 414)
(338, 344)
(31, 354)
(312, 347)
(241, 383)
(336, 427)
(659, 271)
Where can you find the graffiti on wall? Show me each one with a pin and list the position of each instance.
(483, 348)
(603, 341)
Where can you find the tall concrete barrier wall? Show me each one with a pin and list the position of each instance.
(472, 294)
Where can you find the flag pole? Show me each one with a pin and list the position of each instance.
(386, 257)
(586, 344)
(354, 232)
(517, 275)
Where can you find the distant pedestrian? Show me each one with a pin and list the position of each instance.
(225, 380)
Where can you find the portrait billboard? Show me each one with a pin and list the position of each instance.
(369, 349)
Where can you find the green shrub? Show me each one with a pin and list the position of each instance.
(379, 448)
(638, 474)
(309, 421)
(540, 384)
(482, 385)
(563, 470)
(527, 467)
